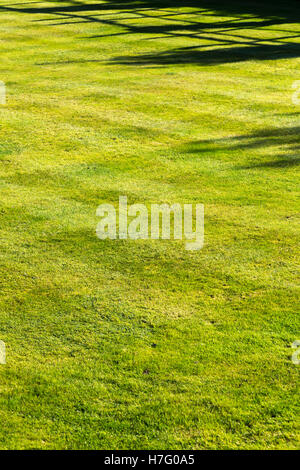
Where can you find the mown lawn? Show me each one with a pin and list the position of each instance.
(142, 344)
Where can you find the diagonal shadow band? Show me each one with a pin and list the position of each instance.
(192, 55)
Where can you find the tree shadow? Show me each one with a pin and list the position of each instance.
(281, 163)
(282, 143)
(234, 39)
(194, 55)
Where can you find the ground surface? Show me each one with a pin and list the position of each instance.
(142, 344)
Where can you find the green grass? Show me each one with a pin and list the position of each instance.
(161, 102)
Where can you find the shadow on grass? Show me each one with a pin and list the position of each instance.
(231, 27)
(282, 163)
(286, 139)
(194, 55)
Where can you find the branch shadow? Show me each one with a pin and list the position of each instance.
(234, 39)
(286, 142)
(193, 55)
